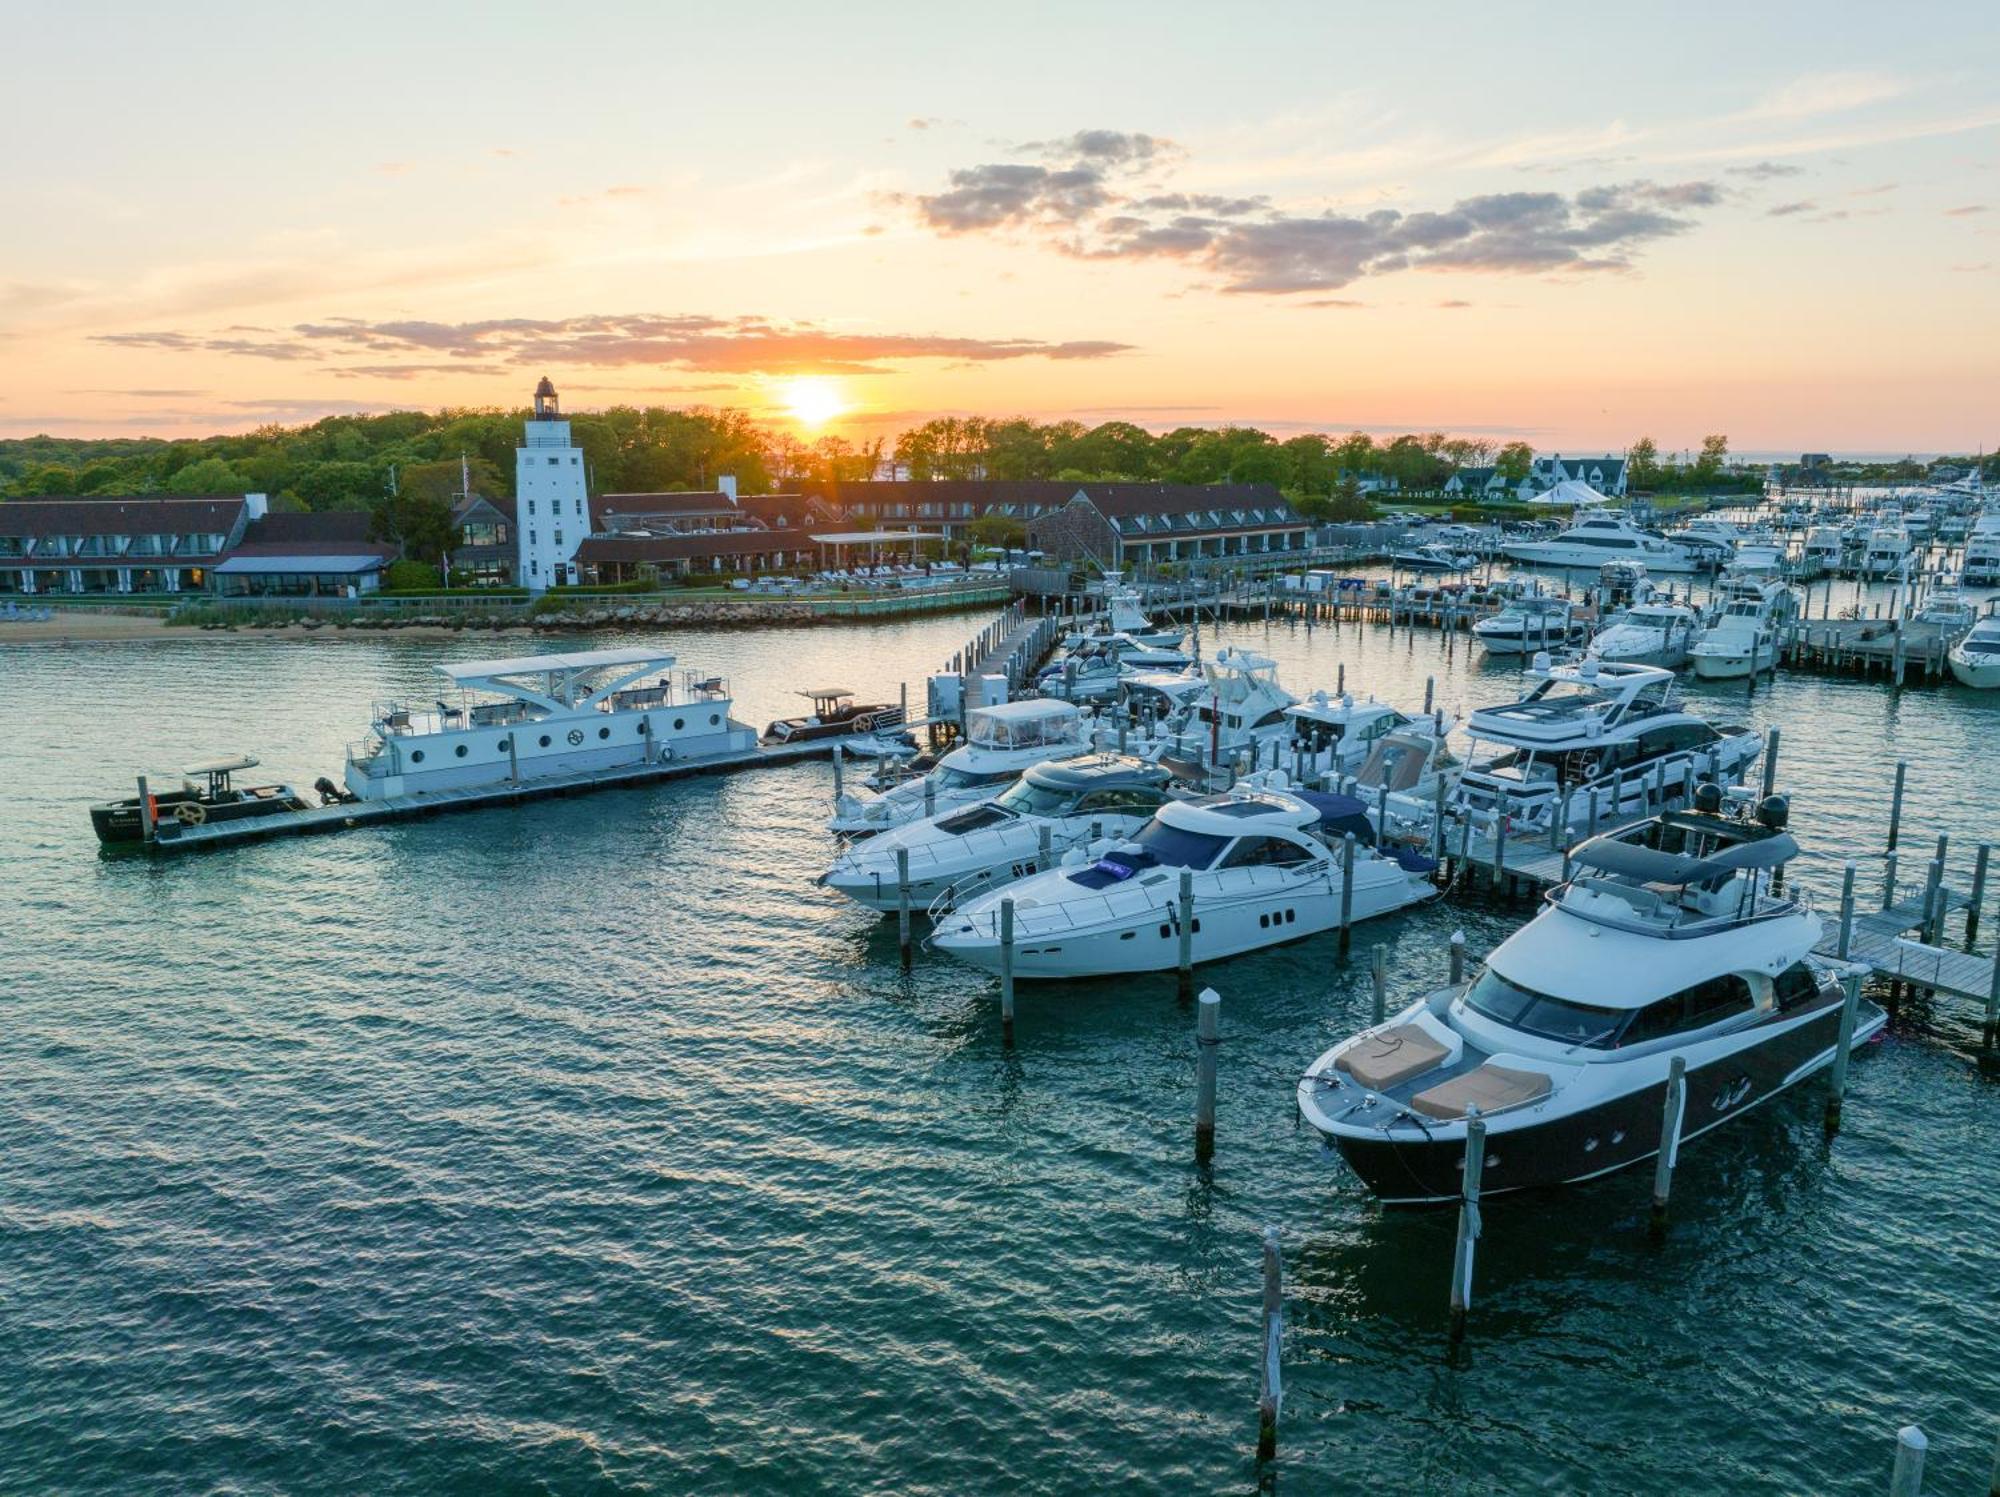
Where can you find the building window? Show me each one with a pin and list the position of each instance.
(553, 461)
(558, 537)
(533, 539)
(531, 506)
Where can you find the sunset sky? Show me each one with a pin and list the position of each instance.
(1779, 221)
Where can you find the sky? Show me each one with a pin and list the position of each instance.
(1560, 223)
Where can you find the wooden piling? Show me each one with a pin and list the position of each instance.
(903, 902)
(1846, 909)
(1888, 879)
(1430, 693)
(1271, 1394)
(1186, 963)
(838, 756)
(1457, 957)
(1346, 892)
(1378, 973)
(1468, 1226)
(1674, 1108)
(1843, 1047)
(1207, 1039)
(1896, 805)
(1771, 762)
(147, 825)
(1978, 895)
(1437, 825)
(1007, 971)
(1906, 1479)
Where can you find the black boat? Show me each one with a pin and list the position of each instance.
(1672, 941)
(205, 794)
(835, 714)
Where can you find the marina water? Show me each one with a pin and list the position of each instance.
(587, 1146)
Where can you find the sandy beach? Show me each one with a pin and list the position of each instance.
(75, 626)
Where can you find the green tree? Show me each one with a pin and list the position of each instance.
(1642, 464)
(1709, 464)
(418, 524)
(998, 530)
(1514, 461)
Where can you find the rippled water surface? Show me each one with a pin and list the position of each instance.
(587, 1146)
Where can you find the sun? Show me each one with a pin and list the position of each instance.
(813, 400)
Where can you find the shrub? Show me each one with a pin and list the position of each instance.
(409, 576)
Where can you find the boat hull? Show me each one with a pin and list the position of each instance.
(1732, 666)
(1586, 558)
(117, 823)
(1615, 1134)
(1981, 677)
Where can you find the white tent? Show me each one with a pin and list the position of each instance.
(1571, 492)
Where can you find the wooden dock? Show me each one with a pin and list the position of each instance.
(173, 836)
(1892, 648)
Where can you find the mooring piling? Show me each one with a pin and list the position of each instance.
(1207, 1040)
(903, 902)
(838, 756)
(1457, 957)
(1186, 914)
(1850, 1010)
(1978, 895)
(1888, 879)
(1906, 1478)
(1271, 1393)
(1674, 1107)
(1007, 971)
(1346, 893)
(1468, 1224)
(1846, 909)
(1896, 805)
(1378, 973)
(145, 810)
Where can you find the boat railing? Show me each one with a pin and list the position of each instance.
(1085, 915)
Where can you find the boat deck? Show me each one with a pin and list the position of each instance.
(172, 836)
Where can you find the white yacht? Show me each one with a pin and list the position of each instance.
(1001, 742)
(1409, 762)
(1945, 606)
(1595, 734)
(1597, 538)
(971, 848)
(1975, 659)
(1100, 662)
(1336, 734)
(1747, 631)
(1266, 868)
(1528, 624)
(1982, 552)
(1887, 550)
(1123, 615)
(1434, 557)
(1243, 707)
(537, 717)
(1825, 547)
(1669, 941)
(1650, 633)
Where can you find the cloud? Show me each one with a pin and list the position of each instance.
(1970, 269)
(733, 345)
(1965, 211)
(1824, 93)
(1786, 210)
(1343, 303)
(1765, 171)
(1453, 306)
(1080, 206)
(609, 194)
(144, 394)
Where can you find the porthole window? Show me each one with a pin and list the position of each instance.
(505, 745)
(679, 723)
(460, 751)
(545, 740)
(714, 719)
(603, 732)
(417, 757)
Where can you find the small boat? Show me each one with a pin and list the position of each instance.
(1264, 863)
(1746, 633)
(1000, 742)
(1652, 633)
(970, 848)
(1671, 941)
(206, 794)
(1094, 670)
(1945, 606)
(1528, 624)
(1434, 557)
(835, 714)
(1975, 659)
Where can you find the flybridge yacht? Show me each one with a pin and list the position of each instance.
(1596, 733)
(1825, 547)
(1242, 707)
(1982, 552)
(1597, 538)
(1651, 633)
(1000, 742)
(1888, 549)
(974, 847)
(1670, 940)
(1123, 615)
(1747, 632)
(1336, 735)
(1265, 866)
(1945, 606)
(1528, 624)
(534, 717)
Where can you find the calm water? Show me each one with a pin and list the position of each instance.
(588, 1147)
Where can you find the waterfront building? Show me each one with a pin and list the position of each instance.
(122, 543)
(304, 555)
(551, 497)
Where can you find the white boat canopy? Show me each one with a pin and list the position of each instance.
(222, 766)
(580, 660)
(1024, 724)
(566, 682)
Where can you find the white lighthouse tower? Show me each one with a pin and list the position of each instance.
(552, 506)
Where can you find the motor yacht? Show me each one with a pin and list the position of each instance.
(1669, 941)
(1434, 557)
(206, 793)
(1652, 633)
(1824, 548)
(1265, 862)
(1093, 670)
(1887, 550)
(536, 717)
(1597, 538)
(1597, 735)
(1528, 624)
(1122, 614)
(1975, 659)
(1242, 709)
(1748, 629)
(1336, 734)
(1945, 606)
(970, 848)
(1982, 552)
(1000, 742)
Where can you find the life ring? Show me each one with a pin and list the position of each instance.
(864, 723)
(576, 737)
(190, 813)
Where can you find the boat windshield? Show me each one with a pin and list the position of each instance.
(1397, 763)
(1026, 798)
(1173, 847)
(965, 779)
(1494, 997)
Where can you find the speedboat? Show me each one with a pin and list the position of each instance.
(1653, 633)
(1434, 557)
(1597, 538)
(1000, 742)
(1123, 615)
(1597, 735)
(1528, 624)
(1265, 865)
(206, 793)
(1746, 634)
(1093, 670)
(1669, 942)
(834, 714)
(1975, 659)
(536, 717)
(970, 848)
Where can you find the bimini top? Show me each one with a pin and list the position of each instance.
(1028, 724)
(222, 766)
(818, 692)
(1648, 865)
(581, 660)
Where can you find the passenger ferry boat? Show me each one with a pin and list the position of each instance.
(1265, 862)
(206, 793)
(1000, 742)
(538, 717)
(1597, 538)
(1670, 940)
(1747, 632)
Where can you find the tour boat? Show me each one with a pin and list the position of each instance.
(834, 715)
(1670, 941)
(1265, 863)
(1528, 624)
(970, 848)
(1975, 659)
(538, 717)
(1651, 633)
(1597, 538)
(1123, 615)
(1594, 735)
(1000, 742)
(205, 794)
(1747, 633)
